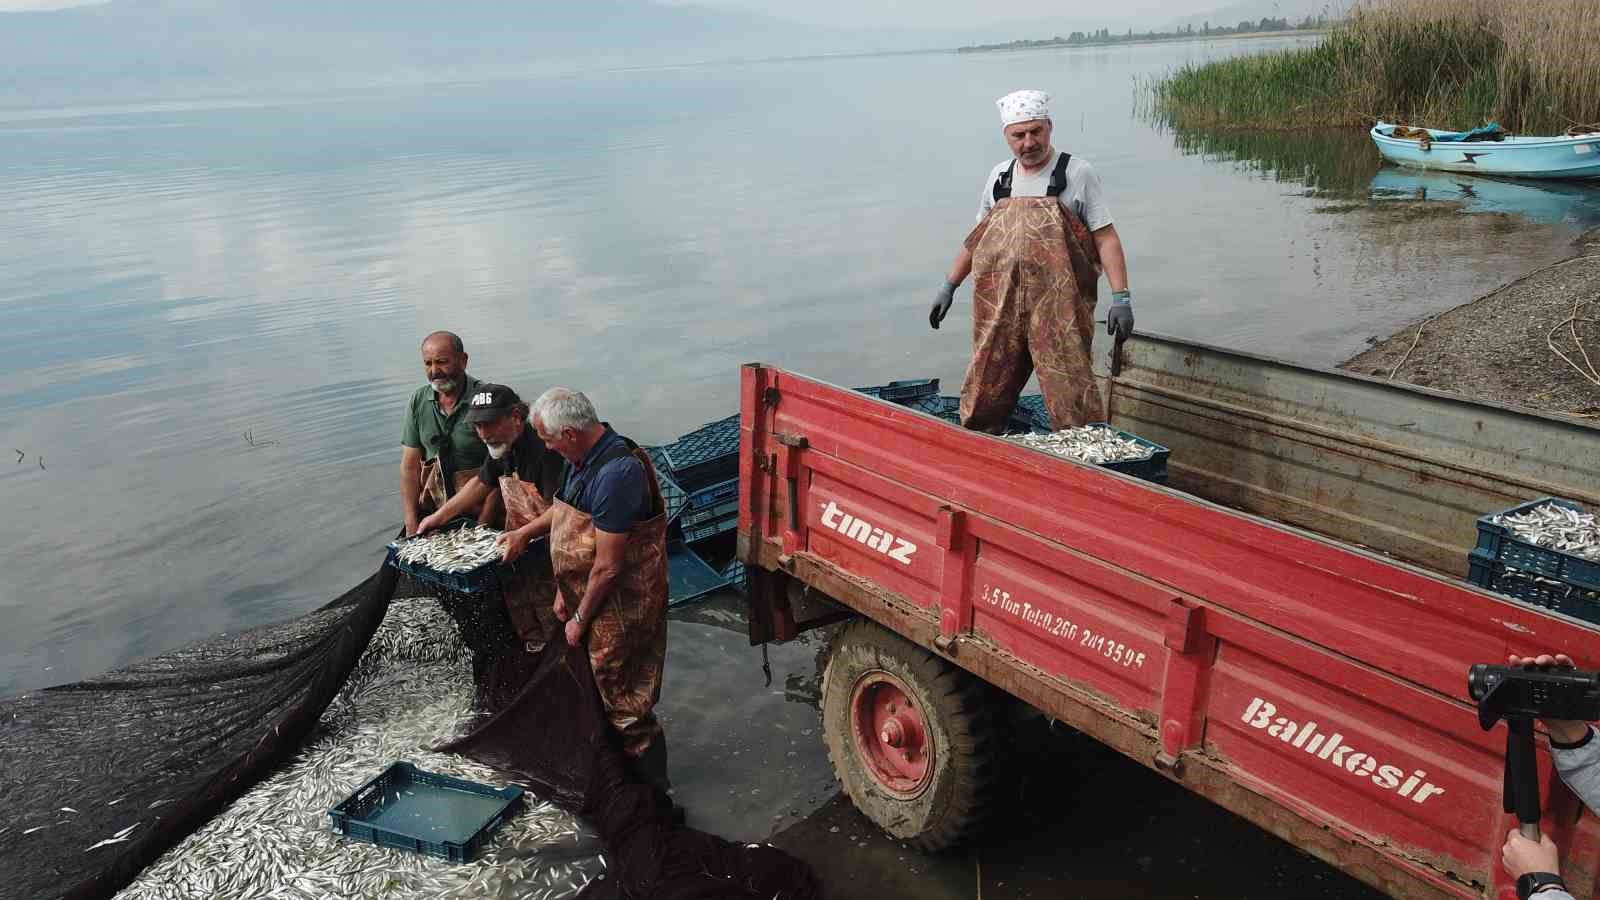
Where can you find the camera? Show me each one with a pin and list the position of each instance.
(1503, 692)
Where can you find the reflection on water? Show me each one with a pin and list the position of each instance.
(1328, 161)
(1545, 203)
(1341, 164)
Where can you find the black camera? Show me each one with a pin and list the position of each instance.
(1504, 692)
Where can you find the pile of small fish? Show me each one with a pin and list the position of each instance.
(1093, 444)
(411, 690)
(454, 551)
(1557, 528)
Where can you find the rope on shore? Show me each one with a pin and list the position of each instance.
(1571, 322)
(1414, 341)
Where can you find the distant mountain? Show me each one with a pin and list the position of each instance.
(163, 40)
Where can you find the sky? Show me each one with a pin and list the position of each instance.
(908, 14)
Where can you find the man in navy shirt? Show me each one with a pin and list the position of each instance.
(608, 544)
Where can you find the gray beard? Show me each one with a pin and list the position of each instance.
(446, 386)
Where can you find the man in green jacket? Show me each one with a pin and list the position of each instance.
(439, 450)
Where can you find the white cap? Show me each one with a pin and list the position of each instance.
(1023, 106)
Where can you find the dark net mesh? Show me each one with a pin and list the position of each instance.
(99, 778)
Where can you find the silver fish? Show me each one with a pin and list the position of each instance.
(1557, 528)
(1093, 444)
(412, 689)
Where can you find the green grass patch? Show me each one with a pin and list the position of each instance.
(1532, 65)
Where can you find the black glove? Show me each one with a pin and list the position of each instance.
(941, 304)
(1119, 318)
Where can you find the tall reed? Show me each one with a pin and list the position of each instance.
(1531, 65)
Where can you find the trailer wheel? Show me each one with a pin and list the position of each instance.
(910, 736)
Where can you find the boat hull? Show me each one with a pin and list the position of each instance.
(1515, 157)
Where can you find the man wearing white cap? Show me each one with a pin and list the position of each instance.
(1044, 235)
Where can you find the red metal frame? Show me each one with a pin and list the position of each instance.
(1315, 688)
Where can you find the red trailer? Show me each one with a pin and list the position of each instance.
(1282, 630)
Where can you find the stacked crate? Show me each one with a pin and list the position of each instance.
(1508, 564)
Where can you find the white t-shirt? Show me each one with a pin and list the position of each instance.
(1082, 194)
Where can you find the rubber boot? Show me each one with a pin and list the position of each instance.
(651, 768)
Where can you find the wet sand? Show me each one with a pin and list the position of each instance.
(1497, 347)
(1080, 820)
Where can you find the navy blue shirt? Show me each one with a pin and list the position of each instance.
(615, 494)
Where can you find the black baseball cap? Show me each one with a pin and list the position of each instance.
(490, 402)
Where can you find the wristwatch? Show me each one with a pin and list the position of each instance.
(1534, 882)
(577, 617)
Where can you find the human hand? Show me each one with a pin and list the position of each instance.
(1522, 856)
(431, 523)
(1119, 318)
(575, 632)
(512, 545)
(413, 524)
(1567, 731)
(941, 304)
(560, 607)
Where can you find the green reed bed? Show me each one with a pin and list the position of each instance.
(1532, 65)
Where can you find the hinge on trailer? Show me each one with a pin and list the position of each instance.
(767, 462)
(797, 441)
(946, 644)
(1168, 763)
(769, 397)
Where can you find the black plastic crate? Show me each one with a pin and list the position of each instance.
(1499, 544)
(409, 809)
(716, 512)
(1533, 589)
(483, 579)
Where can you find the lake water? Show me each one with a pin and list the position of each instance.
(212, 307)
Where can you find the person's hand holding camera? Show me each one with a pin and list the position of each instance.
(1564, 731)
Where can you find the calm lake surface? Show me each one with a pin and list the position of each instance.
(211, 308)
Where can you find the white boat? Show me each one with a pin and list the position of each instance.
(1514, 156)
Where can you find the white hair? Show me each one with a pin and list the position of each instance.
(561, 407)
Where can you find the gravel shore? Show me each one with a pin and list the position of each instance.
(1498, 348)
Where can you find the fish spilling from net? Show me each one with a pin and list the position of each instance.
(1093, 444)
(1556, 527)
(412, 689)
(458, 550)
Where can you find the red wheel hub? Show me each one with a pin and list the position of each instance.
(891, 735)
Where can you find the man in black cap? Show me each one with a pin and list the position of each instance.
(524, 474)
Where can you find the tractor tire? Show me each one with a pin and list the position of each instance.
(911, 737)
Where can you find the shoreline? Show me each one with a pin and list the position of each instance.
(1497, 347)
(1129, 42)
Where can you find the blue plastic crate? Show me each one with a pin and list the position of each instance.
(705, 456)
(1533, 589)
(483, 579)
(674, 498)
(706, 530)
(1152, 468)
(1498, 543)
(409, 809)
(949, 409)
(903, 392)
(716, 493)
(688, 576)
(738, 577)
(727, 509)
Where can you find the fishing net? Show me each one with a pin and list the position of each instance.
(209, 771)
